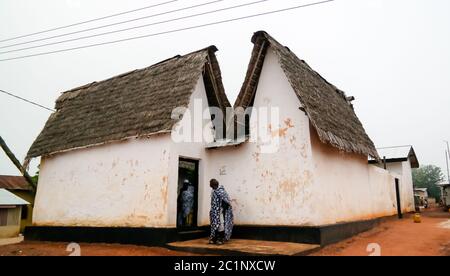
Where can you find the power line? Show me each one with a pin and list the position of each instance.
(112, 24)
(137, 27)
(171, 31)
(91, 20)
(25, 100)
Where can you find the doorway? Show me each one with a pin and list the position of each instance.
(397, 193)
(187, 195)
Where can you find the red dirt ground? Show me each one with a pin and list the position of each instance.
(59, 249)
(399, 238)
(396, 237)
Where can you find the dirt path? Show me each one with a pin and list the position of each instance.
(400, 238)
(59, 249)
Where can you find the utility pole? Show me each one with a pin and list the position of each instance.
(447, 156)
(16, 162)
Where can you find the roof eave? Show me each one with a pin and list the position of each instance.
(413, 159)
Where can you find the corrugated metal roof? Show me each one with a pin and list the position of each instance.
(8, 198)
(398, 153)
(10, 182)
(394, 152)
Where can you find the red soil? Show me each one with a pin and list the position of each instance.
(395, 237)
(400, 238)
(59, 249)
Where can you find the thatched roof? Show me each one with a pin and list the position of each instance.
(138, 103)
(329, 110)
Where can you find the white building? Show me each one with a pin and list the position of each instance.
(422, 196)
(445, 194)
(10, 214)
(400, 160)
(111, 165)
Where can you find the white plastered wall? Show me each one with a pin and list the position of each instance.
(347, 188)
(305, 182)
(270, 188)
(404, 171)
(115, 185)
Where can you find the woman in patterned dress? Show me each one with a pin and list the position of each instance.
(221, 214)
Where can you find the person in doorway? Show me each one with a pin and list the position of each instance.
(220, 215)
(186, 201)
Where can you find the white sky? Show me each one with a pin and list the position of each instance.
(392, 55)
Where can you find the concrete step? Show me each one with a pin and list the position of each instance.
(237, 247)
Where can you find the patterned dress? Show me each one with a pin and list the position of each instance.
(188, 201)
(220, 202)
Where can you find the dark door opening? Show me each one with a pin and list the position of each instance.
(397, 192)
(187, 196)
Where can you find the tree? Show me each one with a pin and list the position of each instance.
(428, 177)
(35, 178)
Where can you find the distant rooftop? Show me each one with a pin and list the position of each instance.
(10, 199)
(443, 183)
(11, 182)
(398, 154)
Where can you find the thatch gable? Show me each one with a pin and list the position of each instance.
(327, 107)
(138, 103)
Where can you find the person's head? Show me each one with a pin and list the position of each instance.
(214, 184)
(186, 184)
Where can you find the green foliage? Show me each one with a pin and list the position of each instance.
(428, 177)
(35, 178)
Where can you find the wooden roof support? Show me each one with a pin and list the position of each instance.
(16, 162)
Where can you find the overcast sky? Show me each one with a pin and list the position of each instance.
(392, 55)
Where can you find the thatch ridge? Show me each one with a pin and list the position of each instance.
(133, 104)
(327, 107)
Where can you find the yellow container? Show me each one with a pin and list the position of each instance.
(417, 218)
